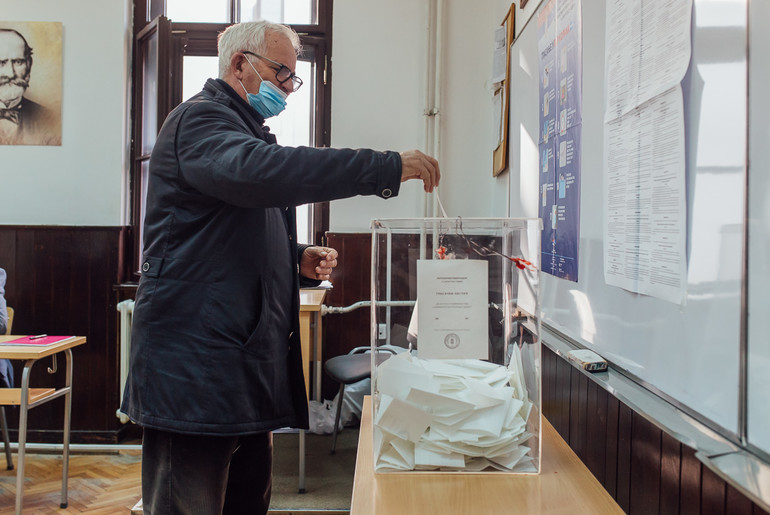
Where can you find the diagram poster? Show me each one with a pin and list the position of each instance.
(561, 77)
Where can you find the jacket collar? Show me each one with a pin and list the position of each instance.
(222, 92)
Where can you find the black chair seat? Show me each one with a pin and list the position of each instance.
(351, 368)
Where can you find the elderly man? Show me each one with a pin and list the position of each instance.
(22, 121)
(215, 359)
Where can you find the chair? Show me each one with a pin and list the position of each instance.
(351, 368)
(3, 421)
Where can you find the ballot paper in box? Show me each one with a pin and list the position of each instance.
(455, 304)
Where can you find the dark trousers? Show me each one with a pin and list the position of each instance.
(206, 475)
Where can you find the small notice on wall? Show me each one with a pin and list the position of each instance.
(453, 311)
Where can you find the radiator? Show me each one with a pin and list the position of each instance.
(126, 310)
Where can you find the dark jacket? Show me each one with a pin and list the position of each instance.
(215, 343)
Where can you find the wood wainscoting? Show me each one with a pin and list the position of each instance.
(646, 470)
(62, 280)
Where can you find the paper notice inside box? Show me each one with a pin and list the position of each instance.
(453, 301)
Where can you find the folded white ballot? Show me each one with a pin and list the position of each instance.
(450, 414)
(402, 419)
(424, 457)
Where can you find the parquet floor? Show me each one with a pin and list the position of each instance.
(98, 484)
(110, 484)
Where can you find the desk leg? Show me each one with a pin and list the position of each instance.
(4, 426)
(301, 461)
(23, 413)
(317, 354)
(67, 420)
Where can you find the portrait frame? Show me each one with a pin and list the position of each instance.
(500, 154)
(45, 84)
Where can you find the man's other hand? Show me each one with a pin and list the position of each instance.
(318, 262)
(416, 165)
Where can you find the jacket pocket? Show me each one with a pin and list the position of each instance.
(262, 320)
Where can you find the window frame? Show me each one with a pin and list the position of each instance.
(180, 39)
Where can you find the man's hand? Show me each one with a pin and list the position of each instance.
(416, 165)
(318, 262)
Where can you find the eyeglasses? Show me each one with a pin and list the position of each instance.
(282, 72)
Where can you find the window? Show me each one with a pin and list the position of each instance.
(176, 51)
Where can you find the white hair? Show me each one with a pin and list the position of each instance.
(249, 36)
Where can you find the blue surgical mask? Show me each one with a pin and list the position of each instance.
(270, 101)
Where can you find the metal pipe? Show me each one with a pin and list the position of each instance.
(85, 448)
(336, 310)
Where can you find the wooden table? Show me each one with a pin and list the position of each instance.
(565, 485)
(28, 398)
(310, 301)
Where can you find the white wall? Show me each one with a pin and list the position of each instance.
(80, 182)
(378, 98)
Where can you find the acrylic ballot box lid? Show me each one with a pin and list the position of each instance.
(455, 304)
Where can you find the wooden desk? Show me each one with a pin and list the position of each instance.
(565, 485)
(310, 301)
(28, 398)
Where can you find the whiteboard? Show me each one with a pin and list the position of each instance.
(758, 423)
(688, 353)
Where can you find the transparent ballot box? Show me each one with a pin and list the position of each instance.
(456, 345)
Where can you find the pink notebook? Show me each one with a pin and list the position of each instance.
(45, 340)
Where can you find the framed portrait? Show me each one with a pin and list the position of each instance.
(30, 83)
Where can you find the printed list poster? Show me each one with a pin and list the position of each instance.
(560, 57)
(644, 234)
(648, 53)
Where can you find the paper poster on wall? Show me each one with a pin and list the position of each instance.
(648, 51)
(30, 83)
(561, 71)
(645, 230)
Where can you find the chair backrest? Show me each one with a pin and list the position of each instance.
(10, 320)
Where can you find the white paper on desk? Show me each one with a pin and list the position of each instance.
(405, 450)
(393, 452)
(426, 457)
(516, 373)
(476, 464)
(481, 395)
(398, 375)
(439, 432)
(438, 404)
(525, 466)
(391, 459)
(514, 414)
(446, 446)
(504, 445)
(453, 419)
(453, 308)
(450, 368)
(462, 367)
(510, 460)
(497, 378)
(402, 419)
(486, 421)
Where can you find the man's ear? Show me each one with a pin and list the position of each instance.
(237, 62)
